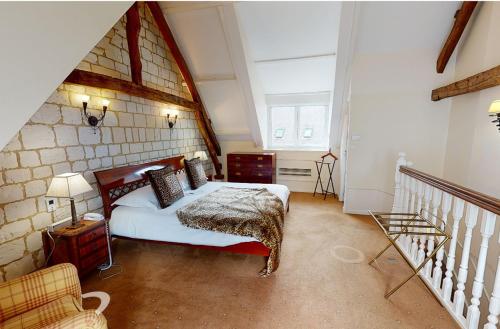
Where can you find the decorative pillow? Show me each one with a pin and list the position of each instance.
(143, 197)
(166, 186)
(183, 179)
(195, 173)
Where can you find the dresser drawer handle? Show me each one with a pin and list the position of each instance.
(237, 165)
(238, 174)
(260, 158)
(260, 166)
(259, 174)
(238, 158)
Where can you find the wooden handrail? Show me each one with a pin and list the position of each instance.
(479, 199)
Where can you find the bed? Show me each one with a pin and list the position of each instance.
(162, 225)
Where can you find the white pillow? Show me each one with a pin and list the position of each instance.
(143, 197)
(183, 179)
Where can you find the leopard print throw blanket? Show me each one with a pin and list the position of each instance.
(242, 211)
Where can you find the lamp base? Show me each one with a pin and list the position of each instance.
(75, 222)
(75, 226)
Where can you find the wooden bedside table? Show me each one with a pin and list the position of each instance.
(85, 247)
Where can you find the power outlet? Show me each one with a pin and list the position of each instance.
(51, 204)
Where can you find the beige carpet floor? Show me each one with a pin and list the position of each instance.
(323, 281)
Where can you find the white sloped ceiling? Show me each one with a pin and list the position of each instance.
(239, 52)
(42, 42)
(213, 54)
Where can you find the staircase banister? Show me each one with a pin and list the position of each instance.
(479, 199)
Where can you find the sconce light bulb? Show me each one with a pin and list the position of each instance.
(105, 102)
(85, 98)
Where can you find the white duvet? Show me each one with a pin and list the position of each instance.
(163, 225)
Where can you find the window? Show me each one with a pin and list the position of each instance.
(283, 126)
(298, 127)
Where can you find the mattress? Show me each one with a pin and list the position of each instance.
(163, 224)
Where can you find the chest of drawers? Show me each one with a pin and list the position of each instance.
(85, 247)
(251, 168)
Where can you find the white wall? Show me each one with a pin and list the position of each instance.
(42, 42)
(393, 73)
(473, 152)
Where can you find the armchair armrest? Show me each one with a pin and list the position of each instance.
(38, 288)
(103, 297)
(82, 320)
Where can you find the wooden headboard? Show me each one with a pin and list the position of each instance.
(116, 182)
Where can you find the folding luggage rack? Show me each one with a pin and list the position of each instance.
(396, 225)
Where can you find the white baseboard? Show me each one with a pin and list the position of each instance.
(359, 201)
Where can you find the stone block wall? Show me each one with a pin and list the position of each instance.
(159, 70)
(110, 56)
(57, 140)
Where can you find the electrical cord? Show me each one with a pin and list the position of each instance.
(52, 250)
(104, 267)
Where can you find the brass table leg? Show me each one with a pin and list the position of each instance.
(415, 270)
(380, 253)
(383, 250)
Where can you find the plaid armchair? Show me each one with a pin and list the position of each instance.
(49, 298)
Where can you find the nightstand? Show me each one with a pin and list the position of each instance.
(85, 247)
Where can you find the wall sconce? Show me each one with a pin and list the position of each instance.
(494, 111)
(171, 117)
(94, 121)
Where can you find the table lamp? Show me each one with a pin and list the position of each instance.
(201, 154)
(69, 185)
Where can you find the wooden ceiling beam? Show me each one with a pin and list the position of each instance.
(462, 16)
(96, 80)
(133, 29)
(202, 118)
(483, 80)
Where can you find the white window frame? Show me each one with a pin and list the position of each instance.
(296, 146)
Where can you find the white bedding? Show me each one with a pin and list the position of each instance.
(163, 225)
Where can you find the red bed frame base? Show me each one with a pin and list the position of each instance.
(246, 248)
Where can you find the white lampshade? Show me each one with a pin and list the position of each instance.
(68, 185)
(201, 154)
(494, 107)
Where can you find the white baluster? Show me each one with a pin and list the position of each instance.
(398, 199)
(398, 189)
(425, 210)
(470, 222)
(420, 195)
(458, 213)
(487, 228)
(406, 203)
(412, 246)
(414, 209)
(438, 272)
(494, 306)
(406, 190)
(436, 200)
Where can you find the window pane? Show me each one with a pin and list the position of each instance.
(312, 126)
(283, 126)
